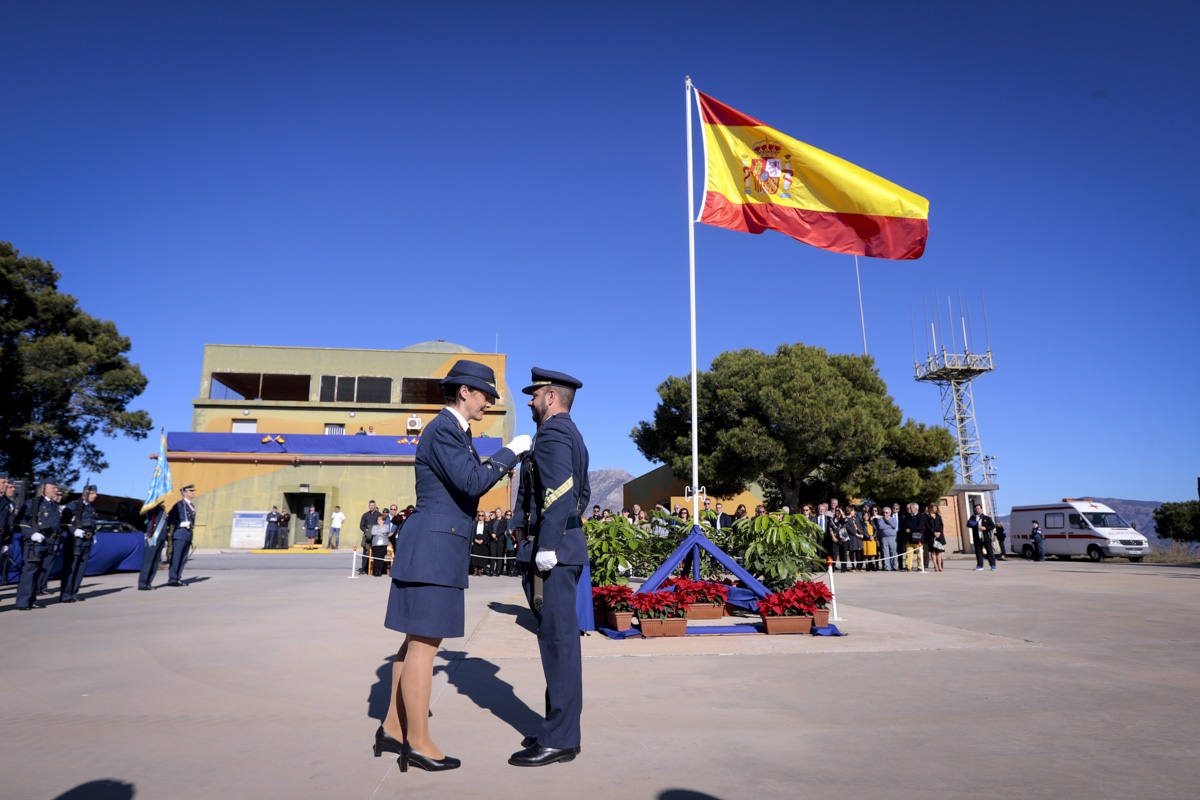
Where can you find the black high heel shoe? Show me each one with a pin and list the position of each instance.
(385, 742)
(410, 756)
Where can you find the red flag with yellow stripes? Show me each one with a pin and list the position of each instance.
(760, 179)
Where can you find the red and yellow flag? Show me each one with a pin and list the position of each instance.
(759, 178)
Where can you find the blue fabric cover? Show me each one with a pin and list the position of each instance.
(697, 541)
(309, 444)
(111, 552)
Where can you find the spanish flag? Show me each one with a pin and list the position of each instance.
(758, 178)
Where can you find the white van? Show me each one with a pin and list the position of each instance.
(1076, 527)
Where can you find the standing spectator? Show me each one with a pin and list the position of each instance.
(886, 529)
(936, 535)
(272, 528)
(494, 537)
(283, 530)
(365, 523)
(870, 549)
(740, 512)
(637, 509)
(380, 532)
(760, 510)
(8, 525)
(855, 534)
(721, 520)
(335, 528)
(980, 525)
(510, 544)
(479, 548)
(828, 540)
(312, 523)
(596, 512)
(1038, 539)
(841, 539)
(914, 548)
(1000, 537)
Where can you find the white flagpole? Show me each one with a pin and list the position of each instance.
(687, 91)
(861, 318)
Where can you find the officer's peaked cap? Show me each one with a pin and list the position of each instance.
(473, 374)
(547, 377)
(185, 488)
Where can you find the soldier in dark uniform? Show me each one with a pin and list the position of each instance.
(79, 532)
(312, 523)
(553, 555)
(54, 558)
(272, 528)
(181, 520)
(429, 571)
(40, 546)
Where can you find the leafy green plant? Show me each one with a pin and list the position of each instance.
(777, 549)
(613, 545)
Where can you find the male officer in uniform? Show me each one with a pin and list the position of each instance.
(77, 546)
(181, 520)
(553, 555)
(45, 520)
(272, 527)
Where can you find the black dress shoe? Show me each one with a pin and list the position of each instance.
(174, 583)
(538, 756)
(145, 588)
(385, 742)
(66, 600)
(410, 756)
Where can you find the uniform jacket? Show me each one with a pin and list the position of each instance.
(44, 515)
(559, 489)
(273, 518)
(312, 521)
(81, 515)
(179, 513)
(450, 478)
(8, 518)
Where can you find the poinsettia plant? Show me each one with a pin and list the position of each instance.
(788, 603)
(814, 593)
(660, 605)
(701, 591)
(614, 596)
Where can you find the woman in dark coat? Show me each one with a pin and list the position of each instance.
(429, 571)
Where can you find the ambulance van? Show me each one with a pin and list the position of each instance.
(1076, 527)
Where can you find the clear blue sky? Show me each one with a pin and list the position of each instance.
(374, 175)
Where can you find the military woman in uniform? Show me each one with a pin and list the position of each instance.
(429, 572)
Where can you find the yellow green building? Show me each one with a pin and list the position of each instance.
(293, 426)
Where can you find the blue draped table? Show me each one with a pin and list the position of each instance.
(111, 552)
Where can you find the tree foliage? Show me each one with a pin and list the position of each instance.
(1178, 521)
(65, 376)
(805, 424)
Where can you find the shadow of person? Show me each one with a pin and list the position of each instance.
(684, 794)
(478, 679)
(101, 592)
(380, 693)
(104, 789)
(200, 579)
(524, 616)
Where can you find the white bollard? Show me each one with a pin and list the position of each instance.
(921, 557)
(354, 563)
(833, 591)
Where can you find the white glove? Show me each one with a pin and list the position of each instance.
(37, 537)
(520, 444)
(80, 533)
(545, 560)
(185, 524)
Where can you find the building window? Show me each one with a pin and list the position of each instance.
(421, 390)
(351, 389)
(258, 386)
(335, 429)
(244, 426)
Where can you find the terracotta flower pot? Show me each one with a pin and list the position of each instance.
(787, 624)
(618, 620)
(706, 611)
(673, 626)
(821, 617)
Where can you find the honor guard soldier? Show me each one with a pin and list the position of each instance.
(553, 555)
(39, 549)
(181, 520)
(80, 530)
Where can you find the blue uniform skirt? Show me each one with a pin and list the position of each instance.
(426, 609)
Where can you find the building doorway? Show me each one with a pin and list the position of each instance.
(297, 505)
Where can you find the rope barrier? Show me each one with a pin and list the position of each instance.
(918, 551)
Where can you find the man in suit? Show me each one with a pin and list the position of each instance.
(554, 555)
(41, 542)
(497, 529)
(364, 525)
(181, 521)
(981, 525)
(78, 535)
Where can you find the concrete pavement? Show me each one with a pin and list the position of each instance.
(1060, 679)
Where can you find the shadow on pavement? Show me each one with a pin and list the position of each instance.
(685, 794)
(524, 616)
(101, 592)
(104, 789)
(381, 690)
(477, 678)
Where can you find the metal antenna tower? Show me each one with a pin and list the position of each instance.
(952, 373)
